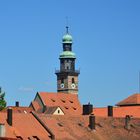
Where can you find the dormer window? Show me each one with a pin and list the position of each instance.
(53, 100)
(74, 108)
(19, 138)
(63, 101)
(60, 124)
(71, 101)
(36, 138)
(66, 107)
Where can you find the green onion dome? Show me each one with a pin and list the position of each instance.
(67, 38)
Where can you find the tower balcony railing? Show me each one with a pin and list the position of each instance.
(69, 71)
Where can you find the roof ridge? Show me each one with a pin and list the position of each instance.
(130, 100)
(138, 97)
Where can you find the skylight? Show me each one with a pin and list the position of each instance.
(66, 107)
(63, 101)
(71, 101)
(74, 108)
(60, 124)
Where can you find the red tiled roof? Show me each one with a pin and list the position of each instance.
(102, 111)
(35, 105)
(68, 127)
(119, 111)
(76, 128)
(69, 103)
(128, 110)
(6, 138)
(19, 109)
(128, 106)
(24, 125)
(131, 100)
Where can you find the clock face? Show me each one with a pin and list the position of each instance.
(73, 86)
(62, 85)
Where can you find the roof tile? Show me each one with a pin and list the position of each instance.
(131, 100)
(67, 102)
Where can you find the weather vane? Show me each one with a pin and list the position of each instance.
(67, 27)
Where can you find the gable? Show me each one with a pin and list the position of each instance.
(35, 105)
(58, 111)
(39, 101)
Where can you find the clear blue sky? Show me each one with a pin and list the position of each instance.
(106, 36)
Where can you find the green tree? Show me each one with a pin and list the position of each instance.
(2, 101)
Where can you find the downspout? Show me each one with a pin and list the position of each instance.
(45, 127)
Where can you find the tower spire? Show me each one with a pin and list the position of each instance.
(67, 29)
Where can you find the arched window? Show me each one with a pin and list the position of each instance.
(73, 81)
(62, 80)
(58, 111)
(67, 66)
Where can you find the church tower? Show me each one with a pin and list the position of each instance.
(67, 76)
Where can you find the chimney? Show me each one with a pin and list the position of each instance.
(2, 130)
(92, 122)
(110, 111)
(127, 122)
(17, 104)
(9, 116)
(87, 109)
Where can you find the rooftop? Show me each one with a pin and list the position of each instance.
(69, 103)
(69, 127)
(131, 100)
(118, 111)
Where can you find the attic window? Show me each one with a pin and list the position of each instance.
(71, 101)
(53, 100)
(19, 138)
(80, 124)
(58, 111)
(66, 107)
(63, 101)
(74, 108)
(60, 124)
(36, 137)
